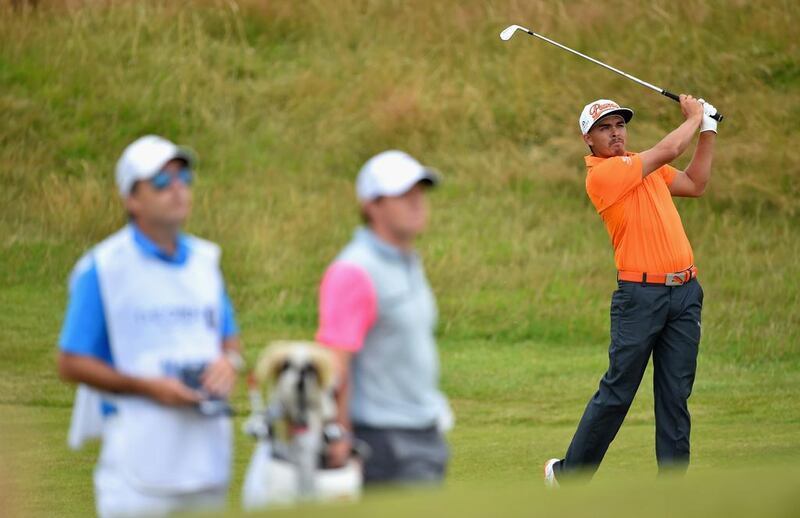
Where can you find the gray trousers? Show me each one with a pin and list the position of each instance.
(403, 456)
(645, 319)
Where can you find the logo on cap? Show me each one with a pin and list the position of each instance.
(597, 109)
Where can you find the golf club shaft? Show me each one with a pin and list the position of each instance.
(666, 93)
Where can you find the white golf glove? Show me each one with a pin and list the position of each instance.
(708, 123)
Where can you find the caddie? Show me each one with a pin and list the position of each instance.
(656, 308)
(149, 326)
(378, 313)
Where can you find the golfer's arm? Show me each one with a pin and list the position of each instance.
(671, 147)
(692, 182)
(342, 360)
(98, 374)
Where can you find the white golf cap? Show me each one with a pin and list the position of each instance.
(391, 173)
(596, 110)
(145, 157)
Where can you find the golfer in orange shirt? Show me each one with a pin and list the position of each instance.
(656, 308)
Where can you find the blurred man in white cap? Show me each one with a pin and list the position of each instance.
(378, 315)
(149, 326)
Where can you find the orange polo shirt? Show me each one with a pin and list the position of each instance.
(640, 216)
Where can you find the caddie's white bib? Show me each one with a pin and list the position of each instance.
(162, 317)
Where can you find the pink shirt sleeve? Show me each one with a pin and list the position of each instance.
(347, 307)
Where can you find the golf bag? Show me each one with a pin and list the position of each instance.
(288, 465)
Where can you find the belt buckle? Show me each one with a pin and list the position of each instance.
(676, 279)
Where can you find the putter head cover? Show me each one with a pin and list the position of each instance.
(299, 376)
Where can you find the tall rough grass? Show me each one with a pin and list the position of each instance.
(284, 100)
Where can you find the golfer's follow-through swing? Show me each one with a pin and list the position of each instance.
(656, 308)
(509, 32)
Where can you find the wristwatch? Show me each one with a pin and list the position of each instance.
(235, 359)
(335, 432)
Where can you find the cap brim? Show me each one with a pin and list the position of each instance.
(181, 153)
(431, 177)
(186, 154)
(428, 177)
(625, 113)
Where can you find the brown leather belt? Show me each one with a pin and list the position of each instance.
(665, 279)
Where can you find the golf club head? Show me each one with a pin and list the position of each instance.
(509, 31)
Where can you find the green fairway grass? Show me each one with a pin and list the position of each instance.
(284, 101)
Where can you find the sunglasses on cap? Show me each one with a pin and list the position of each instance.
(163, 179)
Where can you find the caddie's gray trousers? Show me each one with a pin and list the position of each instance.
(645, 319)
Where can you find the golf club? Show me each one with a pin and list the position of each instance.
(509, 31)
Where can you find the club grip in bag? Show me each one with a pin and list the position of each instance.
(717, 116)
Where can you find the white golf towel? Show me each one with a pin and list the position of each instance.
(87, 417)
(255, 493)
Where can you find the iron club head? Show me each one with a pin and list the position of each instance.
(509, 31)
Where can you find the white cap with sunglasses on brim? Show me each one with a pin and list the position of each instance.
(391, 173)
(596, 110)
(145, 157)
